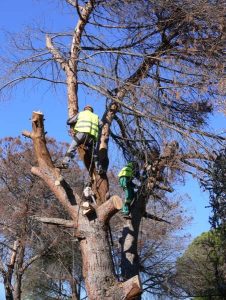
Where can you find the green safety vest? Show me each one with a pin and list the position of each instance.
(126, 171)
(87, 122)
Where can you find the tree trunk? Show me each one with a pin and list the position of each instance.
(130, 259)
(8, 287)
(91, 229)
(17, 286)
(74, 294)
(18, 273)
(98, 270)
(72, 89)
(9, 273)
(100, 185)
(129, 241)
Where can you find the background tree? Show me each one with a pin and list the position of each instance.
(56, 275)
(216, 185)
(201, 269)
(158, 64)
(23, 240)
(55, 271)
(217, 202)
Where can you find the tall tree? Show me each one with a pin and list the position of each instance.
(201, 270)
(23, 197)
(158, 63)
(215, 183)
(57, 275)
(216, 186)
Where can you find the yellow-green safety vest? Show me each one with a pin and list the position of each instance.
(126, 171)
(87, 122)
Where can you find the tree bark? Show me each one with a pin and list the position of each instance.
(72, 91)
(8, 287)
(18, 272)
(74, 294)
(7, 275)
(129, 241)
(98, 269)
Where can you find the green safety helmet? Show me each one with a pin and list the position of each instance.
(130, 165)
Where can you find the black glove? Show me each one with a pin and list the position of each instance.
(71, 121)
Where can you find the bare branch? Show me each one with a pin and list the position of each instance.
(56, 221)
(27, 134)
(7, 246)
(56, 53)
(153, 217)
(36, 257)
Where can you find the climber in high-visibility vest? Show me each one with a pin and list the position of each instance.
(126, 175)
(85, 129)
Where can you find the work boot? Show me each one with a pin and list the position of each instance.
(62, 165)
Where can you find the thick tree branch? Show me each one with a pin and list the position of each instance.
(72, 69)
(131, 288)
(66, 198)
(46, 169)
(86, 11)
(56, 221)
(27, 134)
(120, 93)
(109, 208)
(153, 217)
(56, 53)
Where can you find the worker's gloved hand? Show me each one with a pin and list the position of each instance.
(71, 121)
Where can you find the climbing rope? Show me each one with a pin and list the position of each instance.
(92, 155)
(73, 258)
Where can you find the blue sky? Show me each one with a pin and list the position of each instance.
(16, 111)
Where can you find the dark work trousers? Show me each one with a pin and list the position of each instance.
(80, 138)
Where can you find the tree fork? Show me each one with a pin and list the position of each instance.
(46, 169)
(98, 270)
(130, 263)
(100, 184)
